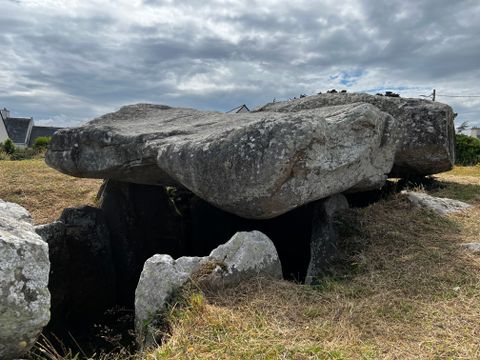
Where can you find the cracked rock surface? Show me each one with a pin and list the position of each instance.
(426, 128)
(24, 268)
(256, 165)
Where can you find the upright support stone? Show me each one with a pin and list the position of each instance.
(143, 221)
(24, 296)
(324, 240)
(82, 280)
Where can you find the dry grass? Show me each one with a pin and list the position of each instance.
(459, 171)
(406, 290)
(409, 292)
(462, 183)
(462, 175)
(43, 191)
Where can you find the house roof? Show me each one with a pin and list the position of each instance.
(239, 109)
(38, 131)
(17, 129)
(2, 118)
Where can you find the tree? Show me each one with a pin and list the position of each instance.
(41, 143)
(467, 150)
(9, 146)
(463, 126)
(391, 94)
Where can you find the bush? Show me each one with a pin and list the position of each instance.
(8, 150)
(3, 154)
(391, 94)
(467, 150)
(41, 143)
(23, 154)
(9, 146)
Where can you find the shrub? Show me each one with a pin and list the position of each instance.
(41, 143)
(9, 146)
(391, 94)
(24, 154)
(8, 150)
(467, 150)
(3, 154)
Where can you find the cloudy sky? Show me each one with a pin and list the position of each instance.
(66, 61)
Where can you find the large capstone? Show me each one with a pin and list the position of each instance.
(426, 128)
(256, 165)
(24, 268)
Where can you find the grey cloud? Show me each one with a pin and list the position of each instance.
(75, 66)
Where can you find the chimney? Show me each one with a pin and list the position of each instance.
(5, 113)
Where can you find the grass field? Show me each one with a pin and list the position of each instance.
(406, 289)
(43, 191)
(409, 292)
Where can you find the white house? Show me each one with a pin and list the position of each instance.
(475, 132)
(22, 131)
(3, 129)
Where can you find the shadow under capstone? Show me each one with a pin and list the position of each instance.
(145, 220)
(98, 254)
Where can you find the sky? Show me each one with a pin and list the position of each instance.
(67, 61)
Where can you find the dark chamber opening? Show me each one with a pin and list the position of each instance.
(142, 221)
(290, 233)
(147, 220)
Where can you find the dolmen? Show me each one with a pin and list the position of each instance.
(264, 163)
(180, 182)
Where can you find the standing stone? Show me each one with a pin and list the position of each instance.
(82, 277)
(426, 128)
(245, 255)
(143, 220)
(324, 241)
(255, 165)
(24, 296)
(162, 277)
(92, 280)
(59, 278)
